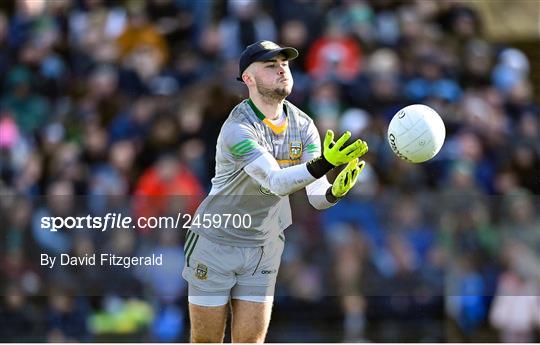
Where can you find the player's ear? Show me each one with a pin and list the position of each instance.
(247, 78)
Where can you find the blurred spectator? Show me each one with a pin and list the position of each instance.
(350, 252)
(167, 188)
(120, 281)
(378, 88)
(355, 18)
(134, 122)
(525, 162)
(326, 105)
(57, 202)
(172, 20)
(309, 12)
(66, 319)
(122, 159)
(334, 56)
(140, 37)
(460, 20)
(408, 223)
(29, 109)
(465, 302)
(19, 321)
(161, 281)
(478, 58)
(513, 67)
(515, 310)
(97, 104)
(246, 22)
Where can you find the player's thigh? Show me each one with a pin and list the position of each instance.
(250, 321)
(207, 323)
(253, 295)
(209, 272)
(257, 282)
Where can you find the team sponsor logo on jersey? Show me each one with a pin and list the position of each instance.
(201, 272)
(295, 149)
(269, 271)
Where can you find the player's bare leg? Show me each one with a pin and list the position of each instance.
(207, 323)
(250, 321)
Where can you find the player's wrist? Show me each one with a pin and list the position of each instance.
(318, 167)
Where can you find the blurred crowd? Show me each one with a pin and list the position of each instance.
(103, 101)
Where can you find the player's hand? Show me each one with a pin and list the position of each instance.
(347, 178)
(335, 152)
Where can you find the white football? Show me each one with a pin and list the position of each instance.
(416, 133)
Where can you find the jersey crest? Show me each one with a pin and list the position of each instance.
(295, 149)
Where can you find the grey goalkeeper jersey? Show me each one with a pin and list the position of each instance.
(239, 211)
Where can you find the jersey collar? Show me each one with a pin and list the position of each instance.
(276, 129)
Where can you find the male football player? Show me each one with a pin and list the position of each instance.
(266, 150)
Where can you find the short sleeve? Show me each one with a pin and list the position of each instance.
(240, 143)
(312, 143)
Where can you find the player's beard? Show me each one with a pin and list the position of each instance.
(271, 95)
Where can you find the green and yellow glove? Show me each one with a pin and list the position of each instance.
(347, 178)
(335, 154)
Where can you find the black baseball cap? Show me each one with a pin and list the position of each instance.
(262, 51)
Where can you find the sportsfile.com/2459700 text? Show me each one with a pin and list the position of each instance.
(118, 221)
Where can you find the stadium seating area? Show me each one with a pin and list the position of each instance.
(104, 101)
